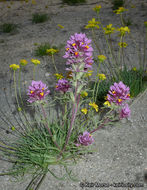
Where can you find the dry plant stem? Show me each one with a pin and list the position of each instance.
(74, 112)
(47, 127)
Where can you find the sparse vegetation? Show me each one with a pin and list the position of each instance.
(72, 2)
(39, 18)
(41, 50)
(117, 3)
(8, 27)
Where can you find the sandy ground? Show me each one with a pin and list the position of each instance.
(121, 155)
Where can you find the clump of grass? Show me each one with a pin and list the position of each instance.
(132, 78)
(41, 49)
(117, 3)
(8, 27)
(72, 2)
(35, 151)
(39, 18)
(127, 22)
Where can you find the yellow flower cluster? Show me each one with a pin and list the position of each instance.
(35, 61)
(107, 103)
(97, 8)
(84, 94)
(23, 62)
(59, 76)
(120, 10)
(51, 51)
(134, 69)
(122, 44)
(102, 76)
(84, 110)
(60, 26)
(123, 30)
(101, 58)
(92, 24)
(109, 29)
(94, 105)
(14, 67)
(89, 73)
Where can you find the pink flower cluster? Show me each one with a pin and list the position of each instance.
(37, 91)
(62, 85)
(85, 139)
(78, 50)
(118, 94)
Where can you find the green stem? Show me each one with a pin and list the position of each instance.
(47, 127)
(96, 82)
(121, 20)
(34, 72)
(53, 61)
(94, 40)
(15, 89)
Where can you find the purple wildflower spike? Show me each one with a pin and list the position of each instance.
(78, 49)
(37, 91)
(62, 85)
(118, 93)
(85, 139)
(125, 111)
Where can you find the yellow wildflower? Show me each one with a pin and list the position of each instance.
(51, 51)
(92, 24)
(84, 94)
(109, 29)
(14, 67)
(13, 128)
(59, 76)
(123, 30)
(89, 73)
(84, 110)
(101, 58)
(120, 10)
(102, 76)
(122, 44)
(19, 109)
(107, 103)
(94, 105)
(23, 62)
(35, 61)
(60, 26)
(97, 8)
(134, 69)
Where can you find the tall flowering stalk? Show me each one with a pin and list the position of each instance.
(79, 60)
